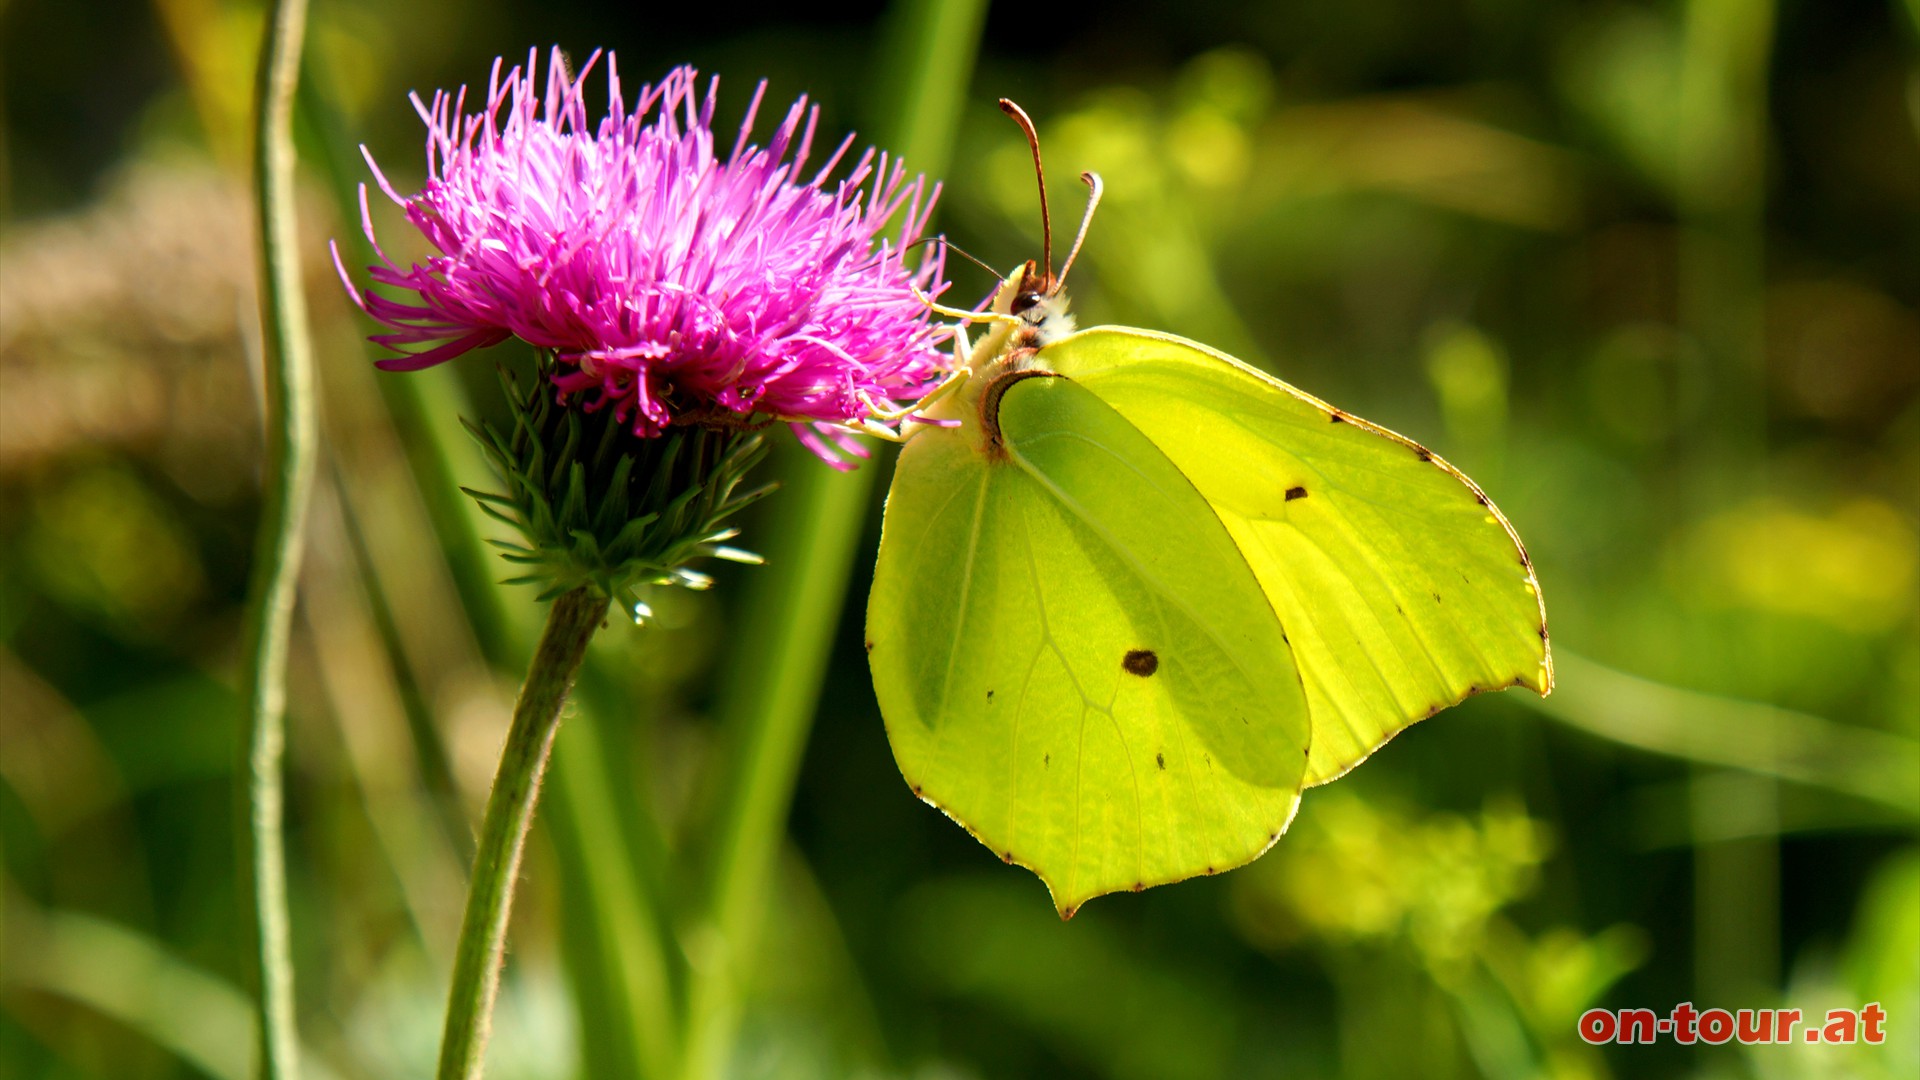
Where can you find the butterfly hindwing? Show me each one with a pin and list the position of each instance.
(1073, 658)
(1401, 587)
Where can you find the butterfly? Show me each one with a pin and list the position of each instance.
(1133, 596)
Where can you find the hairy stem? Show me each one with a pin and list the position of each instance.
(503, 834)
(289, 444)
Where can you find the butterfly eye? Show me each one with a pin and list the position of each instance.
(1023, 302)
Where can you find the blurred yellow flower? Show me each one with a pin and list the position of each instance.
(1356, 871)
(1854, 567)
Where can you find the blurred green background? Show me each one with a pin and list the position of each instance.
(1648, 271)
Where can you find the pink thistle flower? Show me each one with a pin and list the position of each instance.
(672, 285)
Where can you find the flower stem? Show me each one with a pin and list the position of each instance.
(503, 834)
(289, 445)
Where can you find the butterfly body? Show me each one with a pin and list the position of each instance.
(1031, 317)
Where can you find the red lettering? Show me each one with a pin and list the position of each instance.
(1637, 1025)
(1753, 1027)
(1683, 1019)
(1873, 1017)
(1598, 1026)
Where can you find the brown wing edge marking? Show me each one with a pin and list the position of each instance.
(1340, 415)
(1067, 911)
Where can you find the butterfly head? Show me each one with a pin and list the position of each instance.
(1037, 298)
(1032, 287)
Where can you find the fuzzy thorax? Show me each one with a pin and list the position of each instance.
(1026, 321)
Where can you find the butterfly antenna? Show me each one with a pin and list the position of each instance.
(1092, 180)
(956, 249)
(1040, 174)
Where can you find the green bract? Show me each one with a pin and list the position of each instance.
(1141, 595)
(600, 506)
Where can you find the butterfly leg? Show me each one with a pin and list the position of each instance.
(957, 377)
(959, 313)
(962, 348)
(876, 425)
(954, 380)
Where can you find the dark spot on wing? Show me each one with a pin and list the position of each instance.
(1335, 418)
(1211, 870)
(916, 789)
(1141, 662)
(1160, 760)
(1481, 498)
(1006, 857)
(1436, 597)
(1139, 885)
(1296, 493)
(1068, 914)
(1543, 633)
(1399, 609)
(989, 695)
(1046, 760)
(869, 646)
(1423, 453)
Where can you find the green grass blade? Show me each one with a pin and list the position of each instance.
(796, 599)
(122, 973)
(1751, 736)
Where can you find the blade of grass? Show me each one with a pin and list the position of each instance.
(796, 599)
(289, 441)
(617, 954)
(360, 684)
(429, 749)
(128, 976)
(1728, 733)
(1721, 198)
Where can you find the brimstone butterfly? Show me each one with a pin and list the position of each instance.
(1135, 595)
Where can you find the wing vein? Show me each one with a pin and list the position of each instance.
(959, 625)
(1125, 553)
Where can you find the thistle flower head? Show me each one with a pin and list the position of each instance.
(669, 284)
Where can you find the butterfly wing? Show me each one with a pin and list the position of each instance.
(1073, 659)
(1401, 587)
